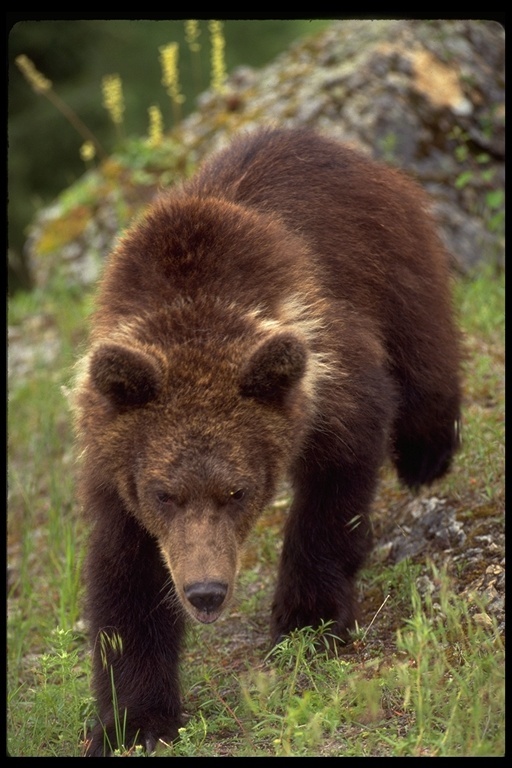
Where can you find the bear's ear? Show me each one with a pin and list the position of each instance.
(274, 368)
(128, 377)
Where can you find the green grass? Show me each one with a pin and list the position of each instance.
(424, 677)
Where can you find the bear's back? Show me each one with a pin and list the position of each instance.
(367, 225)
(362, 219)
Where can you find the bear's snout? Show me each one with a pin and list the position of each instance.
(206, 597)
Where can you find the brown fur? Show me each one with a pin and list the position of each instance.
(286, 312)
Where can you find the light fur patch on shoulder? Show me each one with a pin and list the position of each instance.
(307, 321)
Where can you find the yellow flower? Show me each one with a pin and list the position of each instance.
(155, 126)
(218, 61)
(113, 100)
(87, 151)
(39, 82)
(192, 33)
(170, 79)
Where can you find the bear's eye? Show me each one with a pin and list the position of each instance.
(237, 495)
(166, 498)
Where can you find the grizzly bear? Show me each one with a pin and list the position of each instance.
(284, 314)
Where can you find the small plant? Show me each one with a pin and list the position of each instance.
(113, 99)
(218, 63)
(170, 77)
(111, 643)
(297, 650)
(56, 705)
(156, 124)
(191, 738)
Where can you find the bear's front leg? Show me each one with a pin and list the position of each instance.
(327, 537)
(136, 628)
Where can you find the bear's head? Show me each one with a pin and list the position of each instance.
(195, 443)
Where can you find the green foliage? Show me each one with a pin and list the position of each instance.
(46, 713)
(288, 703)
(440, 692)
(480, 462)
(481, 174)
(451, 679)
(481, 303)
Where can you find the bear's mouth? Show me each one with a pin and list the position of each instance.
(205, 617)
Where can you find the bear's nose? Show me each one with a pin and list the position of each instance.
(206, 596)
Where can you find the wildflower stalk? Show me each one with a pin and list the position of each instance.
(113, 100)
(170, 77)
(41, 85)
(218, 62)
(155, 132)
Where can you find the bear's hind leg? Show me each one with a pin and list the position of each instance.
(426, 438)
